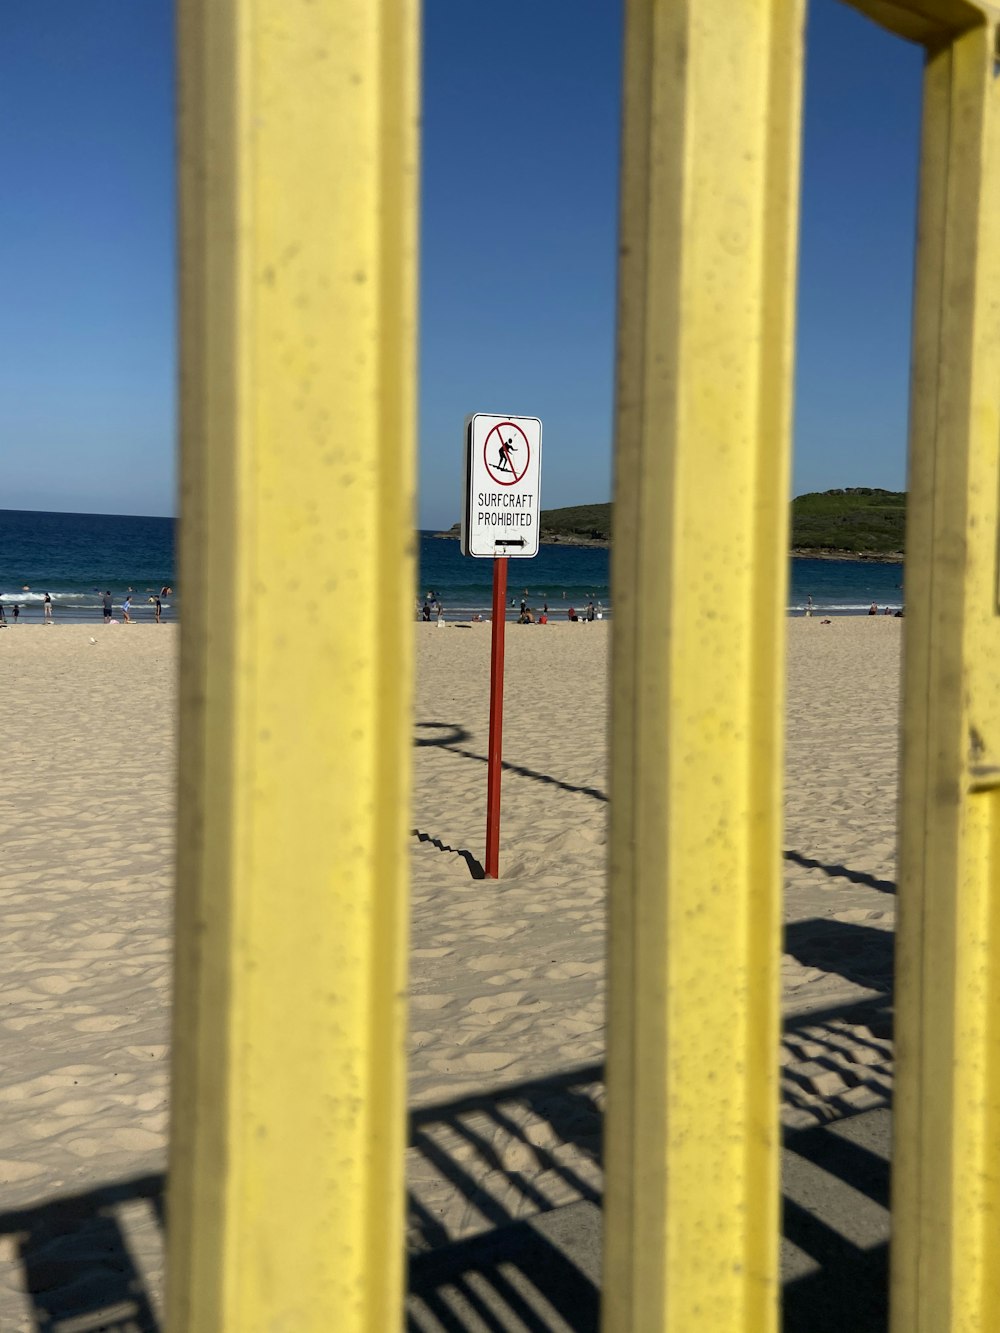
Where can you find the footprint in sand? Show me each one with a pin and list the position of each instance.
(81, 1106)
(149, 1101)
(54, 985)
(19, 1024)
(570, 971)
(430, 1001)
(107, 940)
(11, 1171)
(503, 1000)
(137, 1140)
(505, 978)
(487, 962)
(474, 1062)
(84, 1147)
(102, 1023)
(147, 1052)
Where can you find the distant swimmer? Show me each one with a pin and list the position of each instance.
(165, 591)
(873, 610)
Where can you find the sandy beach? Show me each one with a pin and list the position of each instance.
(507, 978)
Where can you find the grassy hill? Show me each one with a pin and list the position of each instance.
(856, 521)
(578, 523)
(861, 520)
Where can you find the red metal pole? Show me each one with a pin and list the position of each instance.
(496, 720)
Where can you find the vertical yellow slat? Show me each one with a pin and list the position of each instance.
(946, 1167)
(298, 220)
(708, 241)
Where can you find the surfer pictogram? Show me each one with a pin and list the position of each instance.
(504, 463)
(506, 453)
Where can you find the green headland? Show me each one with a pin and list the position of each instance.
(856, 523)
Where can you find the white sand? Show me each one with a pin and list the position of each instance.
(507, 977)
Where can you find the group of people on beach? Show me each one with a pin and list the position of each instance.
(15, 610)
(432, 608)
(873, 610)
(107, 607)
(155, 601)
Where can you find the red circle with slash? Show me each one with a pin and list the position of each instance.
(508, 443)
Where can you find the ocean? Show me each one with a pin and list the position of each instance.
(75, 557)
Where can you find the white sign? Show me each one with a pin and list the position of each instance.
(503, 469)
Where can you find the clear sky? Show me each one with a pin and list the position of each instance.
(520, 160)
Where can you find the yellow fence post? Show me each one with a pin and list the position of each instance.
(946, 1154)
(706, 301)
(298, 253)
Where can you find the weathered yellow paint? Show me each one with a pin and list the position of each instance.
(946, 1169)
(298, 251)
(931, 23)
(708, 241)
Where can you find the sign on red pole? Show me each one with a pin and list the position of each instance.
(495, 750)
(501, 506)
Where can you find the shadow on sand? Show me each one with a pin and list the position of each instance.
(532, 1265)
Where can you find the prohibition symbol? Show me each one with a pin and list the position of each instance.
(506, 453)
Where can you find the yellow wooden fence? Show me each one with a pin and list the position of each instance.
(298, 168)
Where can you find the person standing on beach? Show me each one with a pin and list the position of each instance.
(106, 604)
(3, 617)
(157, 609)
(126, 608)
(17, 612)
(47, 609)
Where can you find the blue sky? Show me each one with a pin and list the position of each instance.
(520, 159)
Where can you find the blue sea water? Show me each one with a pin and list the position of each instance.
(74, 557)
(566, 576)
